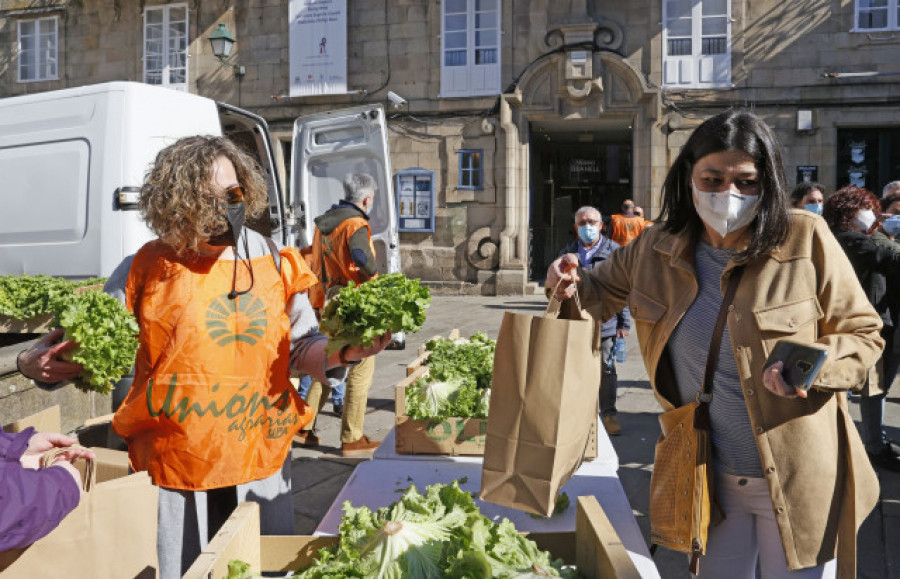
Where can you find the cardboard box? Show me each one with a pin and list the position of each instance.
(594, 546)
(109, 464)
(47, 420)
(451, 436)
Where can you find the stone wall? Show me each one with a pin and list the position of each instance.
(780, 53)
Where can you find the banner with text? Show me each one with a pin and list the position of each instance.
(318, 47)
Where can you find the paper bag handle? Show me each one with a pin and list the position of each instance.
(554, 304)
(87, 478)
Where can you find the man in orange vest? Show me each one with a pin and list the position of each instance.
(626, 226)
(342, 252)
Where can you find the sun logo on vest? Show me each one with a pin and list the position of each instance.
(239, 320)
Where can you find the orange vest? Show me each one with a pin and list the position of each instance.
(330, 259)
(212, 404)
(624, 229)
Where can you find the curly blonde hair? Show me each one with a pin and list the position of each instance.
(177, 199)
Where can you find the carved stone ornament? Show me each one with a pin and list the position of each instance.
(482, 251)
(582, 36)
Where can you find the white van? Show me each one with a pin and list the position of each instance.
(73, 161)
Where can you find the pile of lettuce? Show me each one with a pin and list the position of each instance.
(359, 314)
(105, 330)
(437, 534)
(27, 296)
(458, 382)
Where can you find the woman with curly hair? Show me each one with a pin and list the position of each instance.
(852, 213)
(224, 317)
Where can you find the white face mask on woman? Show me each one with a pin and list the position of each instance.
(725, 211)
(864, 220)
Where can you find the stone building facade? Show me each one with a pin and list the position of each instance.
(584, 101)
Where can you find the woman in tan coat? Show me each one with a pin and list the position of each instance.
(791, 475)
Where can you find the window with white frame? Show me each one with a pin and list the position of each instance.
(38, 49)
(696, 43)
(470, 47)
(166, 45)
(471, 169)
(877, 15)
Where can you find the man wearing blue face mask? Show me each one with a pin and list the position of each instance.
(592, 247)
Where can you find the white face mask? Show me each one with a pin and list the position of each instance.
(864, 220)
(725, 211)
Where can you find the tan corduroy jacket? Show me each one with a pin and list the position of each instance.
(820, 480)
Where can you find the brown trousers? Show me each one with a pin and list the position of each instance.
(359, 380)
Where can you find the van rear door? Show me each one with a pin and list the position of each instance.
(326, 148)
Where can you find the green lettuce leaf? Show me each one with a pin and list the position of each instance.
(359, 314)
(437, 534)
(106, 333)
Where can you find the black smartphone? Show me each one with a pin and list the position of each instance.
(802, 362)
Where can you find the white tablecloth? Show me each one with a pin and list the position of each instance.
(378, 483)
(606, 454)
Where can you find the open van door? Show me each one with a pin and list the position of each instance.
(326, 148)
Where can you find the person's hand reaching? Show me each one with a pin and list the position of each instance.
(562, 275)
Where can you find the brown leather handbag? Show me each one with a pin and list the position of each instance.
(681, 484)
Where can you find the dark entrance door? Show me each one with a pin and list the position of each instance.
(571, 169)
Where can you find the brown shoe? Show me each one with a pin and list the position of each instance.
(612, 426)
(306, 439)
(362, 447)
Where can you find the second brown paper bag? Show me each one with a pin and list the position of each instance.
(544, 395)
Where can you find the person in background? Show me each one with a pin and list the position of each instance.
(34, 500)
(592, 247)
(624, 227)
(337, 396)
(224, 319)
(639, 211)
(791, 474)
(891, 204)
(809, 196)
(892, 188)
(342, 252)
(852, 214)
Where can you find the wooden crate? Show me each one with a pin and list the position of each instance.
(594, 547)
(451, 436)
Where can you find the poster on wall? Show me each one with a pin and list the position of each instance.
(415, 200)
(807, 173)
(317, 47)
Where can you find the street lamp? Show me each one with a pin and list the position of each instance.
(222, 43)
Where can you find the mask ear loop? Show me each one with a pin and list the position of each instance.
(236, 195)
(234, 293)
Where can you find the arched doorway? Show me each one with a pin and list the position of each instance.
(571, 143)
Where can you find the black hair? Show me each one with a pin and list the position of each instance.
(804, 189)
(889, 200)
(732, 130)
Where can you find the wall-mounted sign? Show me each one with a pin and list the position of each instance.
(415, 200)
(807, 173)
(317, 33)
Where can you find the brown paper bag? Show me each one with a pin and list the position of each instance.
(110, 534)
(544, 397)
